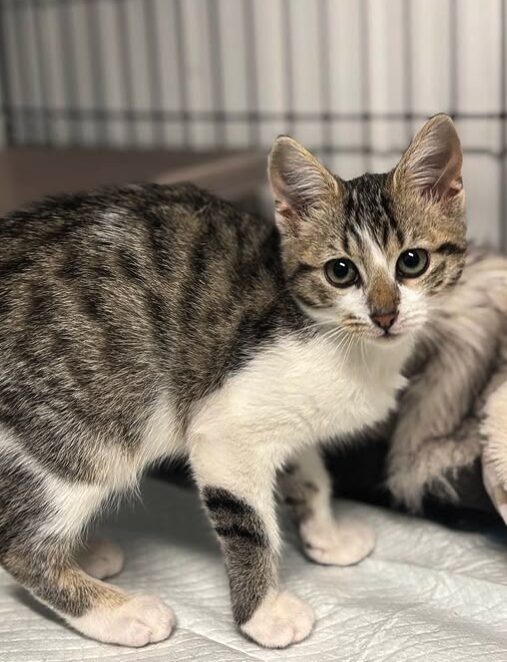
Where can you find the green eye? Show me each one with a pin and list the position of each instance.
(412, 263)
(341, 272)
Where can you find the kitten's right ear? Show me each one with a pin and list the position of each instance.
(301, 185)
(432, 163)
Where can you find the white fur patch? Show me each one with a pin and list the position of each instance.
(292, 394)
(301, 391)
(163, 434)
(336, 542)
(162, 437)
(281, 620)
(72, 503)
(137, 622)
(412, 310)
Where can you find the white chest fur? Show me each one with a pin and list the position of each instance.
(300, 391)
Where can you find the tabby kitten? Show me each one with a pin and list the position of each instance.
(147, 321)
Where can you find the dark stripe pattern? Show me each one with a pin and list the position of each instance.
(249, 558)
(367, 206)
(450, 248)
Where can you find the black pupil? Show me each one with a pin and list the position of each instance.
(411, 259)
(341, 269)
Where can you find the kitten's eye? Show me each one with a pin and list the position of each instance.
(412, 263)
(341, 272)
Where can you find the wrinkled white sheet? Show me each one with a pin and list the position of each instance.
(427, 593)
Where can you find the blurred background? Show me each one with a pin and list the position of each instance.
(99, 91)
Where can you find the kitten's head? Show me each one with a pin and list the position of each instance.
(369, 254)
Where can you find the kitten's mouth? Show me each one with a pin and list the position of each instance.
(389, 337)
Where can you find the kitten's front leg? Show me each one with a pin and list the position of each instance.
(306, 489)
(236, 481)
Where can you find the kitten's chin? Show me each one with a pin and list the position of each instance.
(391, 339)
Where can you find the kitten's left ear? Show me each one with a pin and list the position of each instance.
(432, 163)
(301, 185)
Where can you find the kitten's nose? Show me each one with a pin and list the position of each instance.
(385, 320)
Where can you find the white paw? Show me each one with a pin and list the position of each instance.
(281, 620)
(101, 558)
(337, 542)
(139, 621)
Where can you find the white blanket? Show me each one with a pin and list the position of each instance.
(426, 593)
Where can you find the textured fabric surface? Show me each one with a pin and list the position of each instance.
(426, 593)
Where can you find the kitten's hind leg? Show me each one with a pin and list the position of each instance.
(306, 489)
(41, 518)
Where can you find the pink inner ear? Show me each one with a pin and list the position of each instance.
(447, 189)
(455, 187)
(444, 190)
(289, 215)
(449, 183)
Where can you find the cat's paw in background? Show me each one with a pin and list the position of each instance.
(336, 542)
(101, 558)
(281, 620)
(141, 620)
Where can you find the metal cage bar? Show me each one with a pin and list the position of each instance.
(218, 114)
(31, 115)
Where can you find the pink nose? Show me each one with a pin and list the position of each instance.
(385, 320)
